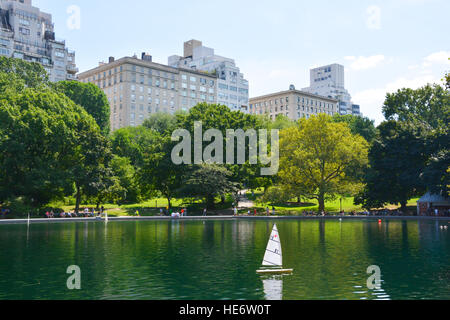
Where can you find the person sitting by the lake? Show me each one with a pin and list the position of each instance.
(137, 213)
(52, 214)
(255, 212)
(185, 212)
(204, 212)
(47, 214)
(267, 211)
(235, 211)
(182, 212)
(161, 212)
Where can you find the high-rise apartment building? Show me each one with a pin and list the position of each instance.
(136, 88)
(329, 81)
(293, 104)
(232, 88)
(27, 33)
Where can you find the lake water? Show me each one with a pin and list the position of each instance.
(214, 260)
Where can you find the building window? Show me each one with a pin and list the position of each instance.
(24, 31)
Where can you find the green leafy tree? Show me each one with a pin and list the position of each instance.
(40, 137)
(426, 113)
(277, 195)
(91, 98)
(133, 142)
(220, 117)
(318, 158)
(358, 125)
(163, 123)
(126, 175)
(428, 106)
(32, 73)
(397, 158)
(158, 172)
(207, 182)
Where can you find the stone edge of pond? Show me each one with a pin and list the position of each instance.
(211, 218)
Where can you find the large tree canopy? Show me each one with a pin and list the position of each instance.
(396, 158)
(32, 73)
(319, 158)
(207, 182)
(411, 152)
(91, 98)
(40, 136)
(358, 125)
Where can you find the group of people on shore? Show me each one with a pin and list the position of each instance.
(254, 212)
(438, 212)
(174, 214)
(86, 213)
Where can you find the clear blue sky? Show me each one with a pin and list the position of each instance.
(384, 45)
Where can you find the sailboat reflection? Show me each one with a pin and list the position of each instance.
(273, 287)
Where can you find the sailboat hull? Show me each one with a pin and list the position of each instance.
(275, 271)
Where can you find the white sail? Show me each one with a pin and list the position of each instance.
(273, 256)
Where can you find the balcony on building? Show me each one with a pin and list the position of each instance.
(72, 69)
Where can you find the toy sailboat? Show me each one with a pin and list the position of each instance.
(273, 259)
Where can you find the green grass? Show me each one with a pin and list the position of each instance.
(146, 208)
(294, 208)
(152, 207)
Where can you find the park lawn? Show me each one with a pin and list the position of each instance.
(152, 207)
(146, 208)
(293, 208)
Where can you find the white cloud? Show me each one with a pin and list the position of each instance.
(363, 63)
(441, 57)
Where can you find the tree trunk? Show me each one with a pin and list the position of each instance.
(77, 199)
(299, 200)
(210, 202)
(321, 202)
(403, 206)
(170, 204)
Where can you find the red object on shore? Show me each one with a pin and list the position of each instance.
(379, 220)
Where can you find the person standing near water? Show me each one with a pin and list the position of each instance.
(204, 212)
(267, 211)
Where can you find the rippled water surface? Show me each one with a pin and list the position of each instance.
(218, 260)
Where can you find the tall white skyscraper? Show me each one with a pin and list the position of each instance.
(329, 81)
(232, 89)
(27, 33)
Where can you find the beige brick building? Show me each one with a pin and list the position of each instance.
(292, 103)
(136, 88)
